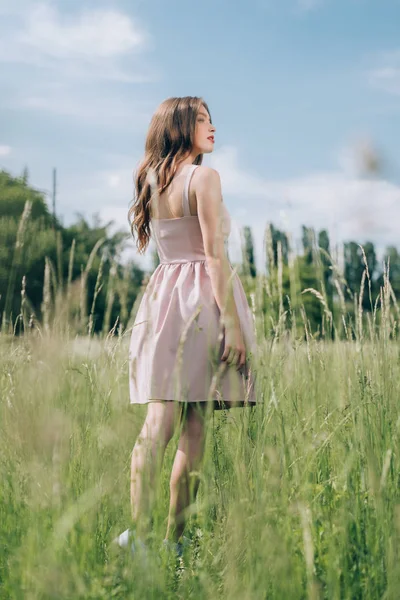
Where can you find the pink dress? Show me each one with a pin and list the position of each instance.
(177, 342)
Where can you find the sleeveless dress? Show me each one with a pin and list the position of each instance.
(177, 341)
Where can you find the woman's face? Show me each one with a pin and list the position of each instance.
(204, 132)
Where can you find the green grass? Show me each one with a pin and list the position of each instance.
(299, 497)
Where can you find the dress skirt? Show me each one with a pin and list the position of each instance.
(177, 341)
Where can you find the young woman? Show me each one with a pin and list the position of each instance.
(193, 334)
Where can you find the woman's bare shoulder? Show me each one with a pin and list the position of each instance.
(205, 176)
(203, 171)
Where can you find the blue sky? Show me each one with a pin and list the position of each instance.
(298, 91)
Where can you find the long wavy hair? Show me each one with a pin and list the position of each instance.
(169, 140)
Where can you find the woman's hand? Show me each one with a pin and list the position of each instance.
(234, 350)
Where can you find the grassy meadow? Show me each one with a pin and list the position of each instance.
(299, 496)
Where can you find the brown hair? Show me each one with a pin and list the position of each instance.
(169, 140)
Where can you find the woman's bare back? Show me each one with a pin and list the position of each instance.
(170, 201)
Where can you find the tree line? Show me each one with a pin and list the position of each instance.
(350, 289)
(74, 275)
(44, 265)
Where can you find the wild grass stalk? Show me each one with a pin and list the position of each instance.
(360, 308)
(24, 304)
(322, 300)
(46, 303)
(16, 263)
(97, 289)
(83, 284)
(280, 281)
(294, 288)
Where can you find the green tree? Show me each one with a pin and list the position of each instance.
(15, 191)
(279, 236)
(249, 259)
(308, 239)
(26, 241)
(23, 243)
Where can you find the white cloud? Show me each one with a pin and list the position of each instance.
(46, 37)
(349, 206)
(5, 150)
(80, 102)
(386, 76)
(95, 34)
(66, 61)
(235, 181)
(99, 191)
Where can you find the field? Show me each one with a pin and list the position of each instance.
(299, 497)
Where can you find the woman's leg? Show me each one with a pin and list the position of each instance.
(183, 484)
(147, 457)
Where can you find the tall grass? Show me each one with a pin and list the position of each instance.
(299, 497)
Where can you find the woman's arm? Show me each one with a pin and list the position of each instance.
(207, 187)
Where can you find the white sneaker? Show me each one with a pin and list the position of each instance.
(129, 539)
